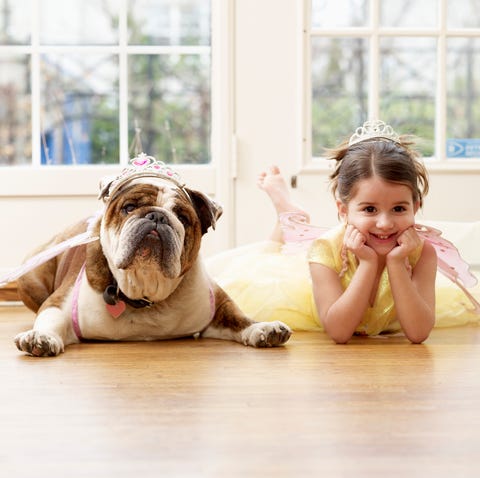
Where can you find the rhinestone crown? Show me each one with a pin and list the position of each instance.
(373, 129)
(140, 167)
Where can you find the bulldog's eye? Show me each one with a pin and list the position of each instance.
(184, 219)
(128, 208)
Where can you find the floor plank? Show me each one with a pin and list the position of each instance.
(374, 407)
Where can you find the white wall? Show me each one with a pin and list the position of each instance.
(267, 105)
(453, 196)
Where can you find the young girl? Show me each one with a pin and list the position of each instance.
(387, 272)
(374, 273)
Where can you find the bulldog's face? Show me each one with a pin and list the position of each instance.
(154, 226)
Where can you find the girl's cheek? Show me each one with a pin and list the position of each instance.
(361, 224)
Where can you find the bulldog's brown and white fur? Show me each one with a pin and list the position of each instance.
(150, 235)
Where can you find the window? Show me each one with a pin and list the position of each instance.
(80, 78)
(415, 65)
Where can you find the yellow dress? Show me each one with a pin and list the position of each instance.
(268, 285)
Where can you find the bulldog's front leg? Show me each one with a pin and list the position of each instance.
(229, 323)
(49, 335)
(257, 334)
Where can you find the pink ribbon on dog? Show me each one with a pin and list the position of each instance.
(76, 293)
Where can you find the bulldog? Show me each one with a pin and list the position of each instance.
(143, 279)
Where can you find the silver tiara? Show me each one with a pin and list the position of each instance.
(373, 129)
(140, 167)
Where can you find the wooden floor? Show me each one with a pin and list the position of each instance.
(206, 408)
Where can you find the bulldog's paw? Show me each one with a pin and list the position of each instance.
(266, 334)
(39, 344)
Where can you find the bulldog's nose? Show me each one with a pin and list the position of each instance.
(157, 217)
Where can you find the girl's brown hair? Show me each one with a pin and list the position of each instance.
(391, 161)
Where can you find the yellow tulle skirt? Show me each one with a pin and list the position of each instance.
(270, 285)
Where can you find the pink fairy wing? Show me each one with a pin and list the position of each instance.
(44, 256)
(297, 233)
(51, 252)
(450, 263)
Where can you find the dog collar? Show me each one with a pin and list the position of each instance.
(112, 295)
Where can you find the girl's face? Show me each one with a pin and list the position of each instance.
(381, 211)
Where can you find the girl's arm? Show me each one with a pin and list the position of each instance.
(342, 311)
(413, 292)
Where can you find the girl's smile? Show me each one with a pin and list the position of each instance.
(382, 242)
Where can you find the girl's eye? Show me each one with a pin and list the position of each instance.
(369, 209)
(128, 208)
(399, 209)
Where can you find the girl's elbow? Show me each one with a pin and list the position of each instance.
(418, 337)
(341, 340)
(418, 330)
(338, 332)
(340, 337)
(417, 340)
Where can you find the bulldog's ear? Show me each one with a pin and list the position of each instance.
(207, 209)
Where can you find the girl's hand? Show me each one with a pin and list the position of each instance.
(408, 241)
(355, 242)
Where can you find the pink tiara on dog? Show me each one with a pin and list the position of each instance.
(140, 166)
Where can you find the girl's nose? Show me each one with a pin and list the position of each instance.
(384, 221)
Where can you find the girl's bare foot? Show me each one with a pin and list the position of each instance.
(273, 183)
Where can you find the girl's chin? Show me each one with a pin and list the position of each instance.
(382, 248)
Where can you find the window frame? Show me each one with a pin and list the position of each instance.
(39, 180)
(373, 32)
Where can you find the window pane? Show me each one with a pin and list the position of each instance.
(15, 22)
(408, 14)
(78, 22)
(407, 87)
(339, 13)
(15, 130)
(463, 14)
(339, 89)
(79, 109)
(169, 22)
(463, 95)
(169, 100)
